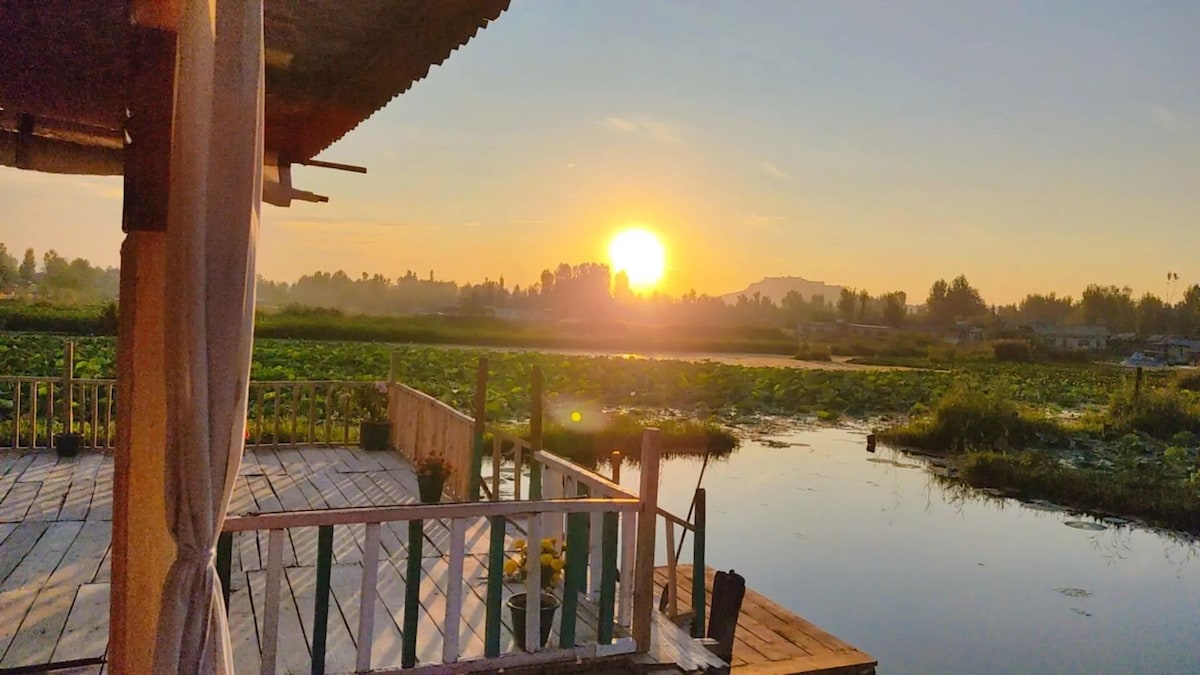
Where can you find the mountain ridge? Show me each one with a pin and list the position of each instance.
(778, 287)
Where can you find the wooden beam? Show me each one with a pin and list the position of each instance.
(151, 102)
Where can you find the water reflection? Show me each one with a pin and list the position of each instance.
(934, 579)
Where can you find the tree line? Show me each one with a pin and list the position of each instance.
(56, 279)
(590, 291)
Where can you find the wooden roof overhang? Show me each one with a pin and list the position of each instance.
(66, 68)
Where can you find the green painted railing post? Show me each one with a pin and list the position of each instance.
(225, 564)
(321, 605)
(481, 380)
(698, 569)
(608, 578)
(535, 433)
(412, 593)
(495, 588)
(575, 577)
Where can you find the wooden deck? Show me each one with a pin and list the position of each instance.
(55, 535)
(770, 640)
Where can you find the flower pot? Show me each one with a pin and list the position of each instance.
(430, 487)
(516, 608)
(68, 444)
(373, 435)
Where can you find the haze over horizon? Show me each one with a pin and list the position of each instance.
(1035, 147)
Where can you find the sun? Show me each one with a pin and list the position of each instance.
(640, 255)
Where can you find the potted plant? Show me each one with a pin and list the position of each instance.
(374, 429)
(516, 568)
(432, 472)
(68, 444)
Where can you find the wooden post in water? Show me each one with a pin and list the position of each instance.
(68, 388)
(643, 569)
(481, 381)
(535, 433)
(614, 462)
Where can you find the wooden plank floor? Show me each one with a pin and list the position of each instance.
(55, 537)
(770, 640)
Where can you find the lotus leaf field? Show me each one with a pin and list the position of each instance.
(703, 389)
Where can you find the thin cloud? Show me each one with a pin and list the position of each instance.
(762, 223)
(656, 130)
(774, 171)
(1166, 117)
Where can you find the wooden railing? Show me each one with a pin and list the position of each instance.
(422, 426)
(306, 412)
(600, 564)
(43, 407)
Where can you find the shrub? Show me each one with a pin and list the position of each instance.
(1161, 413)
(965, 419)
(1136, 491)
(1012, 350)
(1189, 380)
(808, 352)
(942, 353)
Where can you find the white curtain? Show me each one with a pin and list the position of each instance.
(212, 227)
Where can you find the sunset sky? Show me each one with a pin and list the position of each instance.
(1034, 146)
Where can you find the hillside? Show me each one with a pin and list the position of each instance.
(778, 287)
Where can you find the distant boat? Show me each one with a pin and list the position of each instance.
(1143, 360)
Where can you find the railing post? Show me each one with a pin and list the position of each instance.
(535, 434)
(481, 380)
(412, 593)
(68, 388)
(321, 602)
(643, 587)
(575, 577)
(495, 587)
(698, 569)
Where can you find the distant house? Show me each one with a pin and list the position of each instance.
(1177, 350)
(869, 330)
(818, 328)
(1073, 338)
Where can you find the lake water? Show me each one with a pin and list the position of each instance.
(872, 549)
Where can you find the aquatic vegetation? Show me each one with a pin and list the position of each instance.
(1140, 489)
(966, 418)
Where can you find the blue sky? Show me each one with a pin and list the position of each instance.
(1034, 146)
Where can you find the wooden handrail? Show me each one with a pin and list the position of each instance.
(374, 514)
(593, 480)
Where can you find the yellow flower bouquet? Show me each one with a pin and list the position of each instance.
(553, 558)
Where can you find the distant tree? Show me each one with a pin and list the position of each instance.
(1187, 312)
(621, 290)
(9, 276)
(863, 299)
(895, 308)
(955, 301)
(1109, 306)
(1051, 309)
(847, 303)
(1153, 317)
(936, 304)
(28, 270)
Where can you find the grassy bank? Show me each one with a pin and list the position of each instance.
(1139, 456)
(1145, 490)
(592, 444)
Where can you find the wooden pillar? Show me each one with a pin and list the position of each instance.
(643, 569)
(142, 547)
